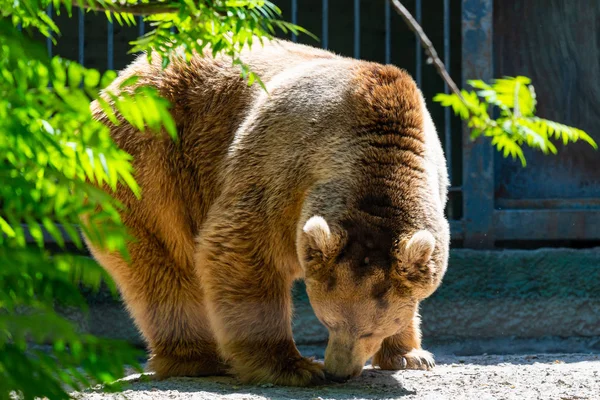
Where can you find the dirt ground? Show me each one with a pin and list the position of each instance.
(556, 376)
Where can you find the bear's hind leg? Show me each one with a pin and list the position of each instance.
(166, 302)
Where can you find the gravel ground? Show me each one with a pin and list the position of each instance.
(556, 376)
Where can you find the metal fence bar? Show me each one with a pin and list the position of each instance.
(81, 37)
(356, 28)
(388, 32)
(141, 26)
(49, 39)
(325, 25)
(110, 45)
(447, 131)
(419, 54)
(478, 156)
(294, 18)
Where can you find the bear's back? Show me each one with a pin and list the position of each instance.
(181, 179)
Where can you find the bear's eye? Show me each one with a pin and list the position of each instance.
(341, 255)
(366, 335)
(345, 250)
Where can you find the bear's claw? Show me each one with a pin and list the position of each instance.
(415, 359)
(308, 373)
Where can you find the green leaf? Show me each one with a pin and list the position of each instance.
(509, 147)
(35, 231)
(452, 100)
(108, 77)
(6, 228)
(53, 231)
(560, 131)
(132, 80)
(71, 232)
(168, 122)
(91, 78)
(479, 84)
(75, 74)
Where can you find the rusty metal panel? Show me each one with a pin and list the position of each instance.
(556, 48)
(478, 157)
(547, 224)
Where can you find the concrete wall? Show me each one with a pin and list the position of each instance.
(486, 295)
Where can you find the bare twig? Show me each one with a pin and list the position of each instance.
(427, 45)
(153, 7)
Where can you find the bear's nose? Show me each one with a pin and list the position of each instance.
(342, 379)
(336, 378)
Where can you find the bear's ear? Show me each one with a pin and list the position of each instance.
(419, 248)
(318, 234)
(413, 257)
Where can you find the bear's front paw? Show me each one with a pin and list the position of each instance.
(304, 372)
(300, 372)
(414, 359)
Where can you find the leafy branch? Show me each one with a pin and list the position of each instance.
(219, 26)
(128, 7)
(516, 124)
(427, 45)
(514, 97)
(59, 169)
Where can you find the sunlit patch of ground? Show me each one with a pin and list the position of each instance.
(557, 376)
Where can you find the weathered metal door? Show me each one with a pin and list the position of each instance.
(555, 198)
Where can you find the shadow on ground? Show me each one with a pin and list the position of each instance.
(372, 384)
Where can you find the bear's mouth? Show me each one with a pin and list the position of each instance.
(335, 378)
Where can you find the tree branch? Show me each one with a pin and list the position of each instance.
(427, 45)
(154, 7)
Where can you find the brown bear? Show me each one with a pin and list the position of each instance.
(334, 175)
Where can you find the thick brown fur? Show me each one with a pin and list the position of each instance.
(330, 177)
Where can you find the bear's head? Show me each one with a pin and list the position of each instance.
(365, 285)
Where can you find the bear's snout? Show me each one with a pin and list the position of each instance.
(344, 358)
